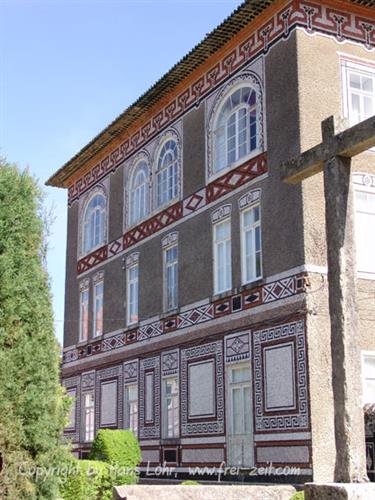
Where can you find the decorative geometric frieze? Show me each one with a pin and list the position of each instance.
(194, 202)
(170, 239)
(169, 363)
(92, 260)
(285, 413)
(149, 331)
(221, 213)
(364, 179)
(98, 277)
(235, 178)
(132, 259)
(195, 316)
(146, 368)
(114, 342)
(313, 16)
(249, 198)
(88, 380)
(254, 297)
(211, 425)
(131, 372)
(237, 347)
(84, 284)
(152, 225)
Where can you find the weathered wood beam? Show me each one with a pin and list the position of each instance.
(349, 143)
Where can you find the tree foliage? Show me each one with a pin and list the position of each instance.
(32, 407)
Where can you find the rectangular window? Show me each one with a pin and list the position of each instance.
(359, 101)
(365, 230)
(88, 419)
(170, 277)
(72, 393)
(83, 315)
(368, 371)
(131, 407)
(171, 408)
(222, 257)
(98, 309)
(132, 294)
(251, 250)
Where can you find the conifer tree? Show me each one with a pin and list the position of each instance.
(32, 406)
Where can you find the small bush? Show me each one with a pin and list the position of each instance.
(120, 449)
(299, 495)
(189, 482)
(88, 480)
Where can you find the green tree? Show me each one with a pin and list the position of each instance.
(32, 406)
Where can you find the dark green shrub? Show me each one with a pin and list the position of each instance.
(299, 495)
(120, 449)
(87, 480)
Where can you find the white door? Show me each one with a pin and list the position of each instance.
(239, 416)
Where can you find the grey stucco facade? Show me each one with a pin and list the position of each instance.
(301, 83)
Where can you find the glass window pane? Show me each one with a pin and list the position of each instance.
(241, 374)
(355, 80)
(236, 411)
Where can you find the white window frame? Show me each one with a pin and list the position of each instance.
(246, 279)
(130, 285)
(214, 172)
(171, 171)
(369, 190)
(95, 331)
(169, 265)
(365, 354)
(100, 216)
(84, 297)
(228, 286)
(142, 192)
(129, 408)
(175, 412)
(359, 66)
(88, 416)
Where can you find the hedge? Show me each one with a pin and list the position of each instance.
(120, 449)
(88, 480)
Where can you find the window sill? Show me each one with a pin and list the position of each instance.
(170, 313)
(251, 284)
(221, 295)
(234, 165)
(86, 254)
(369, 276)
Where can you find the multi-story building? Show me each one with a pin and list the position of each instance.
(196, 282)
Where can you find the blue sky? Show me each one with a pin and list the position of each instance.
(69, 67)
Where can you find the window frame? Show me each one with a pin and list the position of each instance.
(246, 80)
(88, 433)
(365, 354)
(129, 282)
(167, 266)
(127, 407)
(99, 192)
(357, 188)
(351, 64)
(215, 225)
(158, 170)
(176, 414)
(84, 292)
(138, 167)
(95, 333)
(243, 231)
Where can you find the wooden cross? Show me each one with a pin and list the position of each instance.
(333, 158)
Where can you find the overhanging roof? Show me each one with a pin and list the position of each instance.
(214, 41)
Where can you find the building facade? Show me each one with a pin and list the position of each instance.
(196, 284)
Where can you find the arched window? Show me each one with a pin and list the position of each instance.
(235, 133)
(167, 175)
(139, 193)
(94, 223)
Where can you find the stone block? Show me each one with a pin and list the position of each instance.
(339, 491)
